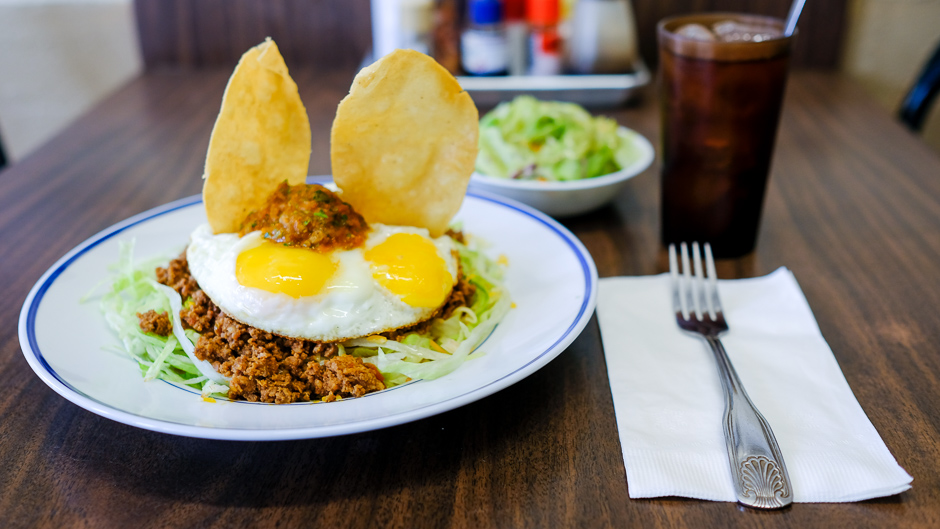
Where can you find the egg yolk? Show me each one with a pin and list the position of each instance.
(408, 265)
(296, 272)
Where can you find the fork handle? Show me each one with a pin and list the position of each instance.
(760, 476)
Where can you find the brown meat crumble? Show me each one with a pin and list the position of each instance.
(155, 322)
(176, 276)
(267, 367)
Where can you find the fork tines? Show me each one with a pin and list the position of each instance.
(696, 296)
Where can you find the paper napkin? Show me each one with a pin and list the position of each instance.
(669, 403)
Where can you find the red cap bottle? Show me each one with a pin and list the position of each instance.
(544, 41)
(514, 10)
(542, 12)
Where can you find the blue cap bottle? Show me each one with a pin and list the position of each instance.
(483, 42)
(485, 12)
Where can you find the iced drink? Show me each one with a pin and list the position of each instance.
(722, 82)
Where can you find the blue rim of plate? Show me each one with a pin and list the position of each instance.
(30, 346)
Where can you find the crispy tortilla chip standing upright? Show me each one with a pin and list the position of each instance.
(404, 142)
(260, 139)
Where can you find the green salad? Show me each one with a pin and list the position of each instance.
(528, 139)
(435, 353)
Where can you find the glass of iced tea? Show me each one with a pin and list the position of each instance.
(722, 78)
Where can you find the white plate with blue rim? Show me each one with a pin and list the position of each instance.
(550, 276)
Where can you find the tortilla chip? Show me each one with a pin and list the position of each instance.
(260, 139)
(404, 142)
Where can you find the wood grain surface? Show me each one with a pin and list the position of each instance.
(853, 209)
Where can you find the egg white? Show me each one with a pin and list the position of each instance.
(351, 304)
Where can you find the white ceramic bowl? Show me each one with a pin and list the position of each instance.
(565, 199)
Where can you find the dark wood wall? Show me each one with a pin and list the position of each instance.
(328, 34)
(195, 33)
(821, 25)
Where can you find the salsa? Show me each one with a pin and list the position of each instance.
(307, 216)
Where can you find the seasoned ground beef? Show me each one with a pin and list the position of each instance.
(456, 235)
(155, 322)
(269, 368)
(266, 367)
(308, 216)
(461, 295)
(176, 275)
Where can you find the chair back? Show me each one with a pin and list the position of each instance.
(317, 34)
(917, 103)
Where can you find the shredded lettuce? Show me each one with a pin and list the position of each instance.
(448, 342)
(442, 348)
(134, 290)
(529, 139)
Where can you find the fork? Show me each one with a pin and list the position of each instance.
(760, 476)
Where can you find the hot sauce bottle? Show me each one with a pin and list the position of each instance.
(545, 43)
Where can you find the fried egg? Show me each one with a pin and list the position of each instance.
(399, 277)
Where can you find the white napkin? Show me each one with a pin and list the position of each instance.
(669, 403)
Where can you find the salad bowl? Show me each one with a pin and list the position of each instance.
(573, 197)
(555, 156)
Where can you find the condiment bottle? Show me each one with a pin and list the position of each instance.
(445, 36)
(415, 22)
(400, 24)
(483, 42)
(517, 36)
(545, 44)
(603, 37)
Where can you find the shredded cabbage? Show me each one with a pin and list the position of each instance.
(529, 139)
(170, 358)
(442, 348)
(416, 356)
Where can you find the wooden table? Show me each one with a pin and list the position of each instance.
(853, 209)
